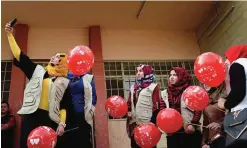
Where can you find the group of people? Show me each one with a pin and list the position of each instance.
(217, 126)
(56, 98)
(146, 100)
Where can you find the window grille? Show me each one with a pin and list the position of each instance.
(6, 68)
(120, 75)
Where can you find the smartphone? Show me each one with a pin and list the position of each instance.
(13, 22)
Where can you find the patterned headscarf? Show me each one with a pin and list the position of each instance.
(147, 79)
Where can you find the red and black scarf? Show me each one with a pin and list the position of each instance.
(175, 90)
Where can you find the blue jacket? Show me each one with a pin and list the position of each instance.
(77, 92)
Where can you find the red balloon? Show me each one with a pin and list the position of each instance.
(196, 98)
(147, 135)
(169, 120)
(42, 137)
(80, 60)
(116, 106)
(210, 69)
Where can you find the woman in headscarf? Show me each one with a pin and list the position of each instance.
(236, 57)
(143, 101)
(236, 101)
(213, 117)
(189, 135)
(81, 115)
(46, 95)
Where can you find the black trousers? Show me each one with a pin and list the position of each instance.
(238, 144)
(81, 137)
(7, 138)
(184, 140)
(34, 120)
(218, 143)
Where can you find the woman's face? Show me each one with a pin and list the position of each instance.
(139, 73)
(173, 77)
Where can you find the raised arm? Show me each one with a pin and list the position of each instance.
(20, 59)
(16, 51)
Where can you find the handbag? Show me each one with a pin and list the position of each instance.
(235, 126)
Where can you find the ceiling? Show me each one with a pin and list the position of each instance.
(81, 14)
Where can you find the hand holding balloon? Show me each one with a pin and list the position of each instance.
(60, 130)
(189, 128)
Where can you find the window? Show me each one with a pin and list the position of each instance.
(6, 67)
(120, 75)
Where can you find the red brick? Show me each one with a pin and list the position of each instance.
(101, 118)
